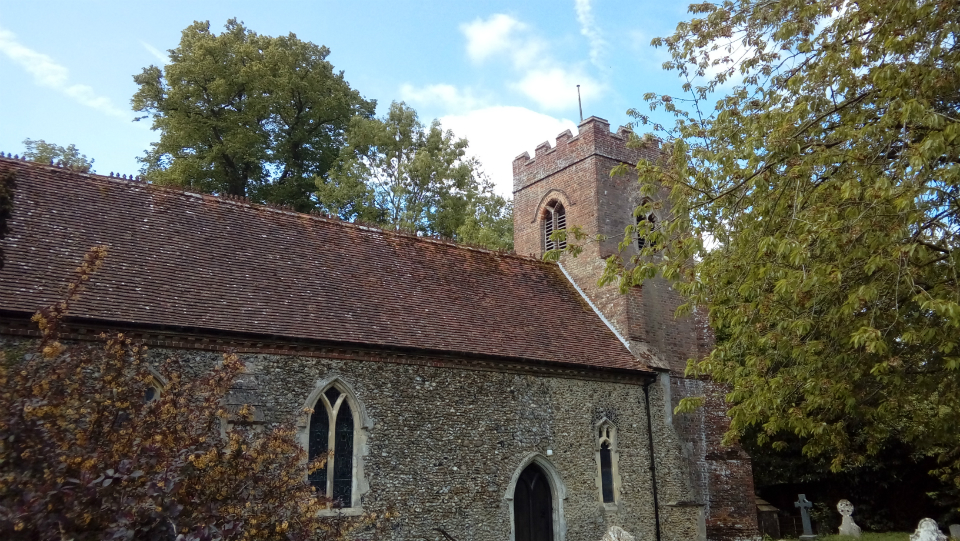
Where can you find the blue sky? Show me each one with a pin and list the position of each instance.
(501, 74)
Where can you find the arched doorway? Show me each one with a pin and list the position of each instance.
(533, 506)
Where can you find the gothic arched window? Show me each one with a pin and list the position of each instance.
(332, 428)
(607, 461)
(554, 219)
(645, 226)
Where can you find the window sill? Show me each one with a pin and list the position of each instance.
(343, 511)
(610, 508)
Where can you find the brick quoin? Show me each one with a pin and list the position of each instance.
(576, 172)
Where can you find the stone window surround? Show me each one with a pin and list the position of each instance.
(361, 431)
(605, 431)
(157, 381)
(554, 194)
(557, 489)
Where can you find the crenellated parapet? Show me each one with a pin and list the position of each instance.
(594, 139)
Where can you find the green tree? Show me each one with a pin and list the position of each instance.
(396, 172)
(822, 157)
(246, 115)
(94, 446)
(488, 223)
(43, 152)
(8, 184)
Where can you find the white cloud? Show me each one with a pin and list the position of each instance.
(550, 83)
(449, 97)
(499, 134)
(486, 38)
(556, 88)
(589, 29)
(164, 59)
(46, 72)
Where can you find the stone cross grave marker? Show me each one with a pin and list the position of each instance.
(804, 505)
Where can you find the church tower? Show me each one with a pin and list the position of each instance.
(569, 185)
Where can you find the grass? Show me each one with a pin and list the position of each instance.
(870, 536)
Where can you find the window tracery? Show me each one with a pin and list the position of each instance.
(332, 427)
(608, 479)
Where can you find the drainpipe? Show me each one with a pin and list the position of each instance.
(653, 460)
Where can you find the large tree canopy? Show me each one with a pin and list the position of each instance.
(821, 154)
(399, 173)
(43, 152)
(244, 114)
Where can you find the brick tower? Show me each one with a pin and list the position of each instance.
(570, 184)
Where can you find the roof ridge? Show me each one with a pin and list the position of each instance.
(244, 202)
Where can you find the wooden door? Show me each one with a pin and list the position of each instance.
(533, 506)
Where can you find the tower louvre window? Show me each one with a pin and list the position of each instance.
(554, 219)
(642, 239)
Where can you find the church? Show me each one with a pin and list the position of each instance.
(493, 396)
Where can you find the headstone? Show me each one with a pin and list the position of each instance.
(928, 530)
(804, 505)
(848, 526)
(955, 531)
(616, 533)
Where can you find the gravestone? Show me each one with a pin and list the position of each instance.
(848, 526)
(616, 533)
(928, 530)
(804, 505)
(955, 531)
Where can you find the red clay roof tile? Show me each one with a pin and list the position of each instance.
(206, 263)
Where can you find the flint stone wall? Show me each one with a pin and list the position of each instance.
(445, 442)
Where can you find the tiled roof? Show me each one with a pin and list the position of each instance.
(212, 264)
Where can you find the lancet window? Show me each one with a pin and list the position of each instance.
(332, 429)
(607, 461)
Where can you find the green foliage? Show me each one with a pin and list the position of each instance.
(84, 455)
(8, 183)
(43, 152)
(246, 115)
(396, 172)
(828, 177)
(890, 490)
(488, 222)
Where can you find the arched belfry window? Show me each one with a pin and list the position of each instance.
(608, 479)
(332, 429)
(554, 219)
(645, 226)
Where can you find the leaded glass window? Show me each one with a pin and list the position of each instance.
(606, 473)
(343, 457)
(607, 460)
(332, 427)
(319, 444)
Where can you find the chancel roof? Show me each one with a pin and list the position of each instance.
(204, 263)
